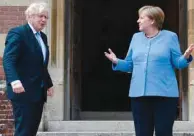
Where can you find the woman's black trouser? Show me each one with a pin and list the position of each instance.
(154, 113)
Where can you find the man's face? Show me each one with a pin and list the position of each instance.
(39, 21)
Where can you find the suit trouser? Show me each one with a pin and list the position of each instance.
(27, 117)
(154, 113)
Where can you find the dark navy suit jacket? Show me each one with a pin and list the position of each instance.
(23, 60)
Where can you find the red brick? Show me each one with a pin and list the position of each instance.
(4, 8)
(13, 8)
(2, 77)
(13, 17)
(22, 8)
(3, 97)
(22, 18)
(1, 70)
(6, 116)
(4, 17)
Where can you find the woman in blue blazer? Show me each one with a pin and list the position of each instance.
(152, 57)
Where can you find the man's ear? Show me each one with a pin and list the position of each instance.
(153, 21)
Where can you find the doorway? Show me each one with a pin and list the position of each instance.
(97, 26)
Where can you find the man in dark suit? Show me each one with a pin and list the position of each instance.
(25, 64)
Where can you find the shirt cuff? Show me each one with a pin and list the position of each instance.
(190, 59)
(15, 82)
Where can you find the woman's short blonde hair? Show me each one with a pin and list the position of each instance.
(36, 8)
(155, 13)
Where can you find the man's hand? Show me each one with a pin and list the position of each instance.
(18, 87)
(50, 91)
(2, 92)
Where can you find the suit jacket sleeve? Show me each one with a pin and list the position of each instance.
(11, 54)
(49, 80)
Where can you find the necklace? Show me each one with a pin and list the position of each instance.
(153, 35)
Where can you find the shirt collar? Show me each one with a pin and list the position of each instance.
(33, 30)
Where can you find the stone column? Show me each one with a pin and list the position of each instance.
(54, 108)
(191, 67)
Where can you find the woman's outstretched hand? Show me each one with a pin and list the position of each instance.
(111, 56)
(189, 51)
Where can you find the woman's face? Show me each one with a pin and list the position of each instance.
(144, 22)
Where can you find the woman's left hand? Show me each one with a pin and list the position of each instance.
(189, 51)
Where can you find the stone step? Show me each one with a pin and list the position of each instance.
(101, 134)
(107, 126)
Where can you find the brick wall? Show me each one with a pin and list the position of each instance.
(6, 116)
(10, 16)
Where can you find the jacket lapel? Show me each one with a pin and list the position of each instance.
(33, 41)
(46, 47)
